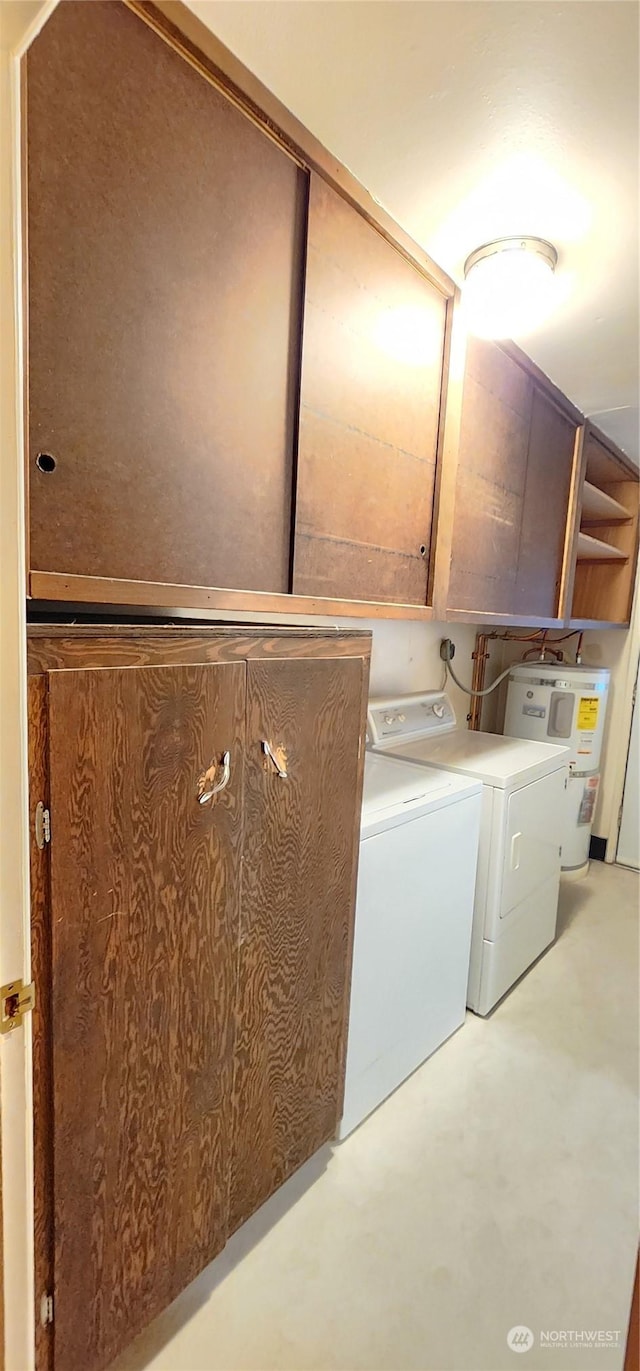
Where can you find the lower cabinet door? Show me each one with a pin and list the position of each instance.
(304, 723)
(144, 935)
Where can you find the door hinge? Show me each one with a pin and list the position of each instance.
(16, 1000)
(46, 1310)
(42, 825)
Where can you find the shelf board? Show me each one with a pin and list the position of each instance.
(595, 550)
(600, 508)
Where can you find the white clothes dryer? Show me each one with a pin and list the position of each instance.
(523, 791)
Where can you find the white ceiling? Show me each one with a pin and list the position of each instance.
(472, 119)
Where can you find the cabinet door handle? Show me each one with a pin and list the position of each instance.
(277, 758)
(205, 795)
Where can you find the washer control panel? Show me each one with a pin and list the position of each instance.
(409, 716)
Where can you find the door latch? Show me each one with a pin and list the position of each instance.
(277, 757)
(42, 825)
(46, 1310)
(16, 1000)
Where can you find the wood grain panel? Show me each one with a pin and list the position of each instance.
(490, 482)
(372, 365)
(605, 591)
(38, 761)
(485, 548)
(603, 594)
(371, 465)
(507, 379)
(297, 918)
(493, 438)
(164, 314)
(541, 380)
(145, 906)
(550, 461)
(604, 466)
(51, 647)
(147, 596)
(327, 560)
(191, 36)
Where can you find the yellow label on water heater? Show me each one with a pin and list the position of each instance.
(588, 712)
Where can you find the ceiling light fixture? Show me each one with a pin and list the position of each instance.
(509, 286)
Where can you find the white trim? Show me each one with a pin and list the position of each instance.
(20, 24)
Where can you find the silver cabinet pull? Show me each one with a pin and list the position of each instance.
(276, 758)
(207, 795)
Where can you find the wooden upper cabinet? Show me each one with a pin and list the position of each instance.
(165, 257)
(492, 472)
(372, 362)
(513, 489)
(545, 509)
(606, 545)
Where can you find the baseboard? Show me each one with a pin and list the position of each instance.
(597, 849)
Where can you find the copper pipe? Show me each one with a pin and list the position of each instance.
(554, 652)
(480, 657)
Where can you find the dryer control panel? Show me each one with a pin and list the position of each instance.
(404, 717)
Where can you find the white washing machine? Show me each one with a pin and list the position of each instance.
(523, 789)
(555, 702)
(414, 910)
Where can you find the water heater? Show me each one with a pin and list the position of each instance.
(556, 703)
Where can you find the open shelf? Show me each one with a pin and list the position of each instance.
(605, 566)
(595, 550)
(600, 508)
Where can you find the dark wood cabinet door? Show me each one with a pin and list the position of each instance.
(144, 931)
(490, 482)
(372, 359)
(165, 258)
(301, 842)
(545, 510)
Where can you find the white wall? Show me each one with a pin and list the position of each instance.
(405, 653)
(406, 656)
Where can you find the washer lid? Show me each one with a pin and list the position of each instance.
(395, 791)
(492, 758)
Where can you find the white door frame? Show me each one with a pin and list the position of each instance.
(19, 23)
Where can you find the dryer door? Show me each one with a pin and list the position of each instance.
(533, 831)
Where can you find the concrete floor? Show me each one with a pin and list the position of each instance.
(497, 1187)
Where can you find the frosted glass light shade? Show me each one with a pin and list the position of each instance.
(509, 287)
